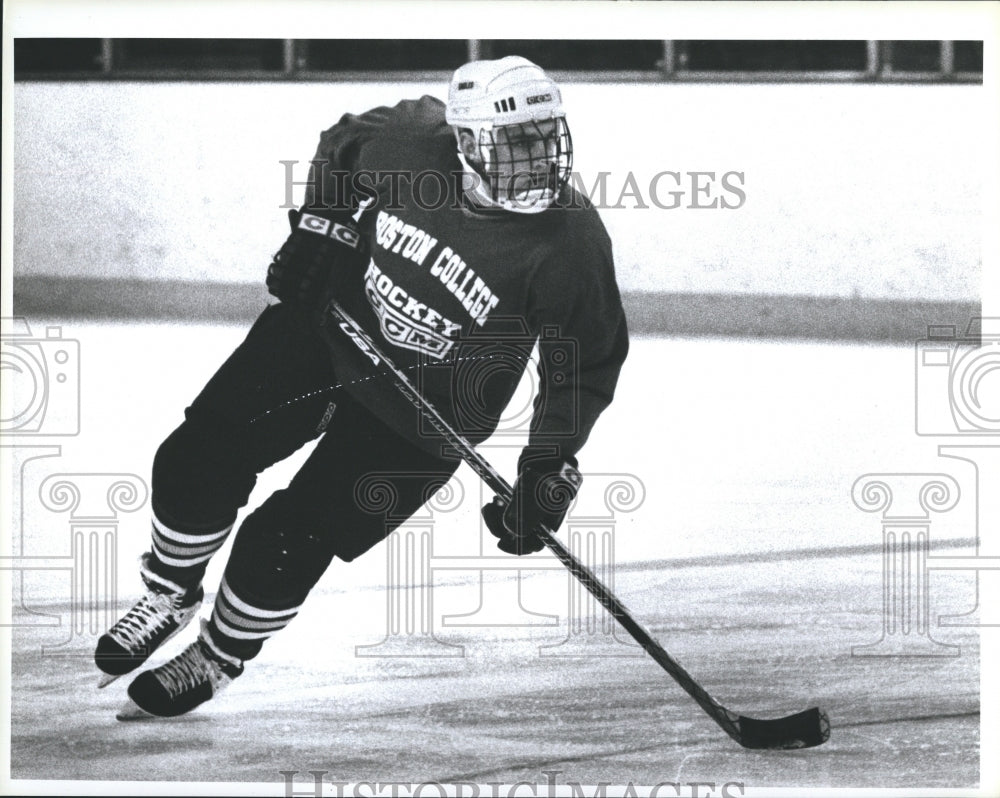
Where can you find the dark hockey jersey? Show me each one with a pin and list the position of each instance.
(457, 297)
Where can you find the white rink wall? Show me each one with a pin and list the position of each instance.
(855, 191)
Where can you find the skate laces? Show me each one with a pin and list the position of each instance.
(150, 614)
(190, 668)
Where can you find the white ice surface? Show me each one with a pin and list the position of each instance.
(747, 559)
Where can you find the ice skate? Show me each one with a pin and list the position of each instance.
(162, 612)
(194, 676)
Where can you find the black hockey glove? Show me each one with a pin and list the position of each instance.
(544, 490)
(322, 249)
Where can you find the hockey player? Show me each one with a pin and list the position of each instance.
(440, 252)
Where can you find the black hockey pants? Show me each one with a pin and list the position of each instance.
(274, 394)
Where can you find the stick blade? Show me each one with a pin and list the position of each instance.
(802, 730)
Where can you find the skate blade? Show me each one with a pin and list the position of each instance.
(107, 678)
(132, 711)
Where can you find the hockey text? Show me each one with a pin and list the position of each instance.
(414, 244)
(405, 321)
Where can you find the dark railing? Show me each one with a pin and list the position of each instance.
(719, 60)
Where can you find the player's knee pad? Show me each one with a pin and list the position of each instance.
(200, 478)
(277, 556)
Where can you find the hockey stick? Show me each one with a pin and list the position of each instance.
(801, 730)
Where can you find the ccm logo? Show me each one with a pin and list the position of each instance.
(539, 98)
(343, 234)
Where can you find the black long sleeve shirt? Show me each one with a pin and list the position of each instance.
(460, 296)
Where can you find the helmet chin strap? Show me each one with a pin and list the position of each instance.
(478, 188)
(482, 196)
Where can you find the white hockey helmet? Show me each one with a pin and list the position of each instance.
(514, 112)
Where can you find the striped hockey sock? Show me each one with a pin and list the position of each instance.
(184, 555)
(241, 627)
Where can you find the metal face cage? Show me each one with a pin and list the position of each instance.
(528, 162)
